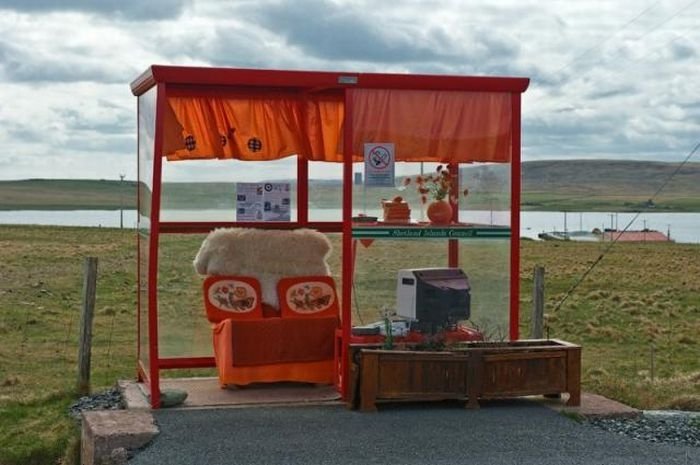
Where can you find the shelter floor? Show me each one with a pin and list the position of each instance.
(205, 392)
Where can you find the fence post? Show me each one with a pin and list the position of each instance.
(538, 303)
(86, 313)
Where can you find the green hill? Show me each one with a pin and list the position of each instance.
(66, 194)
(584, 185)
(572, 185)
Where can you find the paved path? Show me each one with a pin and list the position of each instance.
(517, 433)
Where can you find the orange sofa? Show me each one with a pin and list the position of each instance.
(253, 346)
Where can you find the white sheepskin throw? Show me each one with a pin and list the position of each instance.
(267, 255)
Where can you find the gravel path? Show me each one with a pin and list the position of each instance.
(500, 434)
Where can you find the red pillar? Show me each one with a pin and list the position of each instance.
(302, 191)
(347, 240)
(515, 219)
(453, 244)
(153, 358)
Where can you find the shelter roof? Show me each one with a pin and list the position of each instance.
(320, 80)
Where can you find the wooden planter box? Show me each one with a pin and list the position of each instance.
(469, 371)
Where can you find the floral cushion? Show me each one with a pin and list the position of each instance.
(308, 296)
(236, 297)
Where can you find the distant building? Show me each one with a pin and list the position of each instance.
(645, 235)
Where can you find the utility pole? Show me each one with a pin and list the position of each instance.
(644, 231)
(121, 201)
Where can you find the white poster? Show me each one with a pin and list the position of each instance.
(379, 164)
(276, 201)
(249, 201)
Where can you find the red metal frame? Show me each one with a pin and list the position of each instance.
(515, 219)
(453, 244)
(346, 299)
(154, 361)
(139, 369)
(302, 191)
(192, 227)
(319, 80)
(187, 362)
(172, 80)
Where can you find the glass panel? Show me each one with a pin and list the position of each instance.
(483, 216)
(335, 261)
(376, 270)
(487, 263)
(483, 261)
(146, 128)
(183, 327)
(205, 190)
(488, 200)
(367, 200)
(325, 191)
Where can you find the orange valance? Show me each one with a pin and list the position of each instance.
(442, 126)
(252, 127)
(424, 125)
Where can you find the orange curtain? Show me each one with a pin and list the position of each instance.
(444, 126)
(253, 127)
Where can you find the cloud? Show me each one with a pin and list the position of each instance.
(606, 81)
(683, 50)
(136, 10)
(68, 47)
(347, 34)
(352, 32)
(67, 130)
(23, 63)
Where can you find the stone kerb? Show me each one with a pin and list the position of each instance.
(105, 432)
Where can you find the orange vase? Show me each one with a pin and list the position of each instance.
(440, 212)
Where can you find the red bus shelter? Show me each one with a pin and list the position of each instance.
(196, 114)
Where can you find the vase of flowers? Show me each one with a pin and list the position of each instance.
(439, 188)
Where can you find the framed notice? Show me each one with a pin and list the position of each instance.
(379, 164)
(258, 201)
(249, 201)
(276, 201)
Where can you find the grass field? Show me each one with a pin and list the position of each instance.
(642, 298)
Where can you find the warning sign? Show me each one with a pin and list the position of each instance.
(379, 164)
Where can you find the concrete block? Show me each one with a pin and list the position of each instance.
(132, 395)
(106, 431)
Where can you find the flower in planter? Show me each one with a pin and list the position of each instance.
(436, 186)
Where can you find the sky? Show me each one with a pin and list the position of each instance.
(609, 78)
